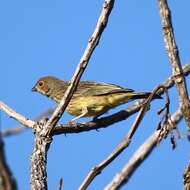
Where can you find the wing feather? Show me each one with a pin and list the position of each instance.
(99, 89)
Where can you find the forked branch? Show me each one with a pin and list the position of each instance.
(139, 156)
(173, 54)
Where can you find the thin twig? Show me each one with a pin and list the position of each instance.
(13, 114)
(12, 131)
(139, 156)
(20, 129)
(122, 146)
(60, 183)
(173, 54)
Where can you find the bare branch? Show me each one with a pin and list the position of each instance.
(92, 43)
(38, 177)
(21, 119)
(20, 129)
(170, 82)
(46, 114)
(122, 146)
(173, 54)
(60, 183)
(139, 156)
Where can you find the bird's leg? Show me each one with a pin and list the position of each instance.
(84, 112)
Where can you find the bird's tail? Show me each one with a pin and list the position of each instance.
(143, 95)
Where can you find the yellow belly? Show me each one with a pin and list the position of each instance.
(96, 105)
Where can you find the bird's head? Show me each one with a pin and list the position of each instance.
(46, 85)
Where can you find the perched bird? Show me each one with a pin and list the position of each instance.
(91, 99)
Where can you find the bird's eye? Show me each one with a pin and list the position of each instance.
(41, 83)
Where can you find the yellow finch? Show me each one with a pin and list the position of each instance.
(91, 99)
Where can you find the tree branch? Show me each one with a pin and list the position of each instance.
(139, 156)
(13, 131)
(173, 54)
(20, 129)
(38, 176)
(13, 114)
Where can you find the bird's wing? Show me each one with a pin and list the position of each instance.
(98, 89)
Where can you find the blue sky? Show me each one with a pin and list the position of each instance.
(39, 38)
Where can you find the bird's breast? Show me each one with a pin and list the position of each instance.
(94, 104)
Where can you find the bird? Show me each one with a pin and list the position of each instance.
(91, 98)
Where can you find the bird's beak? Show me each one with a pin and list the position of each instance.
(34, 89)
